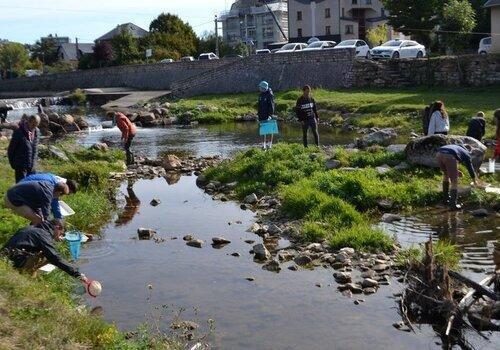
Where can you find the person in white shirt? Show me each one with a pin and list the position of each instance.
(440, 122)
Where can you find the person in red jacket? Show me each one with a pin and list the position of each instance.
(128, 130)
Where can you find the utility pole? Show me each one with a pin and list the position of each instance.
(216, 36)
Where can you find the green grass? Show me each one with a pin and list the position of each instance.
(445, 253)
(373, 107)
(41, 312)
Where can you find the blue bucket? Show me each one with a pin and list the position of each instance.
(74, 239)
(268, 127)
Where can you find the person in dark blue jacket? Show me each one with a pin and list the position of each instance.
(265, 109)
(32, 199)
(53, 179)
(449, 157)
(23, 147)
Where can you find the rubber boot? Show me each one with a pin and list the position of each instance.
(453, 200)
(130, 158)
(446, 192)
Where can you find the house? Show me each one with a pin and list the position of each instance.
(136, 31)
(335, 20)
(494, 5)
(57, 40)
(72, 52)
(257, 22)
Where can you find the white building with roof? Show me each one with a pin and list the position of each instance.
(257, 22)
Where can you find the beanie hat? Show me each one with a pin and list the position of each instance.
(264, 85)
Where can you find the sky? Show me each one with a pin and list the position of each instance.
(26, 21)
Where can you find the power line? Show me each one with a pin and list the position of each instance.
(439, 31)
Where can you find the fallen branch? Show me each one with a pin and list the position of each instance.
(478, 287)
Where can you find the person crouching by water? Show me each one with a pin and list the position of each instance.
(23, 147)
(449, 157)
(32, 199)
(266, 110)
(439, 123)
(128, 130)
(308, 114)
(477, 127)
(34, 246)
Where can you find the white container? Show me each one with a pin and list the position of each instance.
(66, 209)
(491, 165)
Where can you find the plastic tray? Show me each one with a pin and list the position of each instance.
(66, 209)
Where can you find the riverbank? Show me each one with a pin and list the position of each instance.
(364, 108)
(42, 312)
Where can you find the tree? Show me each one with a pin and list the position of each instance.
(45, 50)
(125, 48)
(207, 44)
(458, 16)
(14, 59)
(414, 17)
(170, 33)
(241, 49)
(103, 53)
(377, 34)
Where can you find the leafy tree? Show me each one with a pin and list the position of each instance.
(241, 49)
(45, 50)
(207, 44)
(103, 53)
(458, 16)
(125, 47)
(170, 33)
(377, 34)
(414, 17)
(14, 59)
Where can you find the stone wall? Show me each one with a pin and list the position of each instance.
(157, 76)
(328, 69)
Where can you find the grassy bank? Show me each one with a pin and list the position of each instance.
(373, 107)
(40, 312)
(337, 205)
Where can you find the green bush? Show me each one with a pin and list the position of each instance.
(361, 237)
(87, 174)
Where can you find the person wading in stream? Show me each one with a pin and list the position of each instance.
(128, 130)
(308, 114)
(266, 110)
(449, 157)
(23, 147)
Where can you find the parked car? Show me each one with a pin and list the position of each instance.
(262, 51)
(208, 56)
(320, 45)
(167, 60)
(32, 73)
(292, 47)
(187, 59)
(484, 46)
(362, 48)
(399, 49)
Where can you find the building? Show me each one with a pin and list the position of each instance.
(257, 23)
(136, 31)
(71, 53)
(335, 20)
(494, 5)
(57, 40)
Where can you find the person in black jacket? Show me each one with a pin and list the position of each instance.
(477, 127)
(308, 114)
(4, 109)
(266, 109)
(33, 246)
(32, 200)
(23, 147)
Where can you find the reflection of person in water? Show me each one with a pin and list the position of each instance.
(131, 207)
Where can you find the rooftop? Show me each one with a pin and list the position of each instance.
(136, 31)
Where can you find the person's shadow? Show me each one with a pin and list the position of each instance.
(131, 207)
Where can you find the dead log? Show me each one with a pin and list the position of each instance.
(476, 286)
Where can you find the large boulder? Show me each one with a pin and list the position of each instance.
(146, 118)
(382, 137)
(67, 119)
(422, 151)
(81, 122)
(171, 162)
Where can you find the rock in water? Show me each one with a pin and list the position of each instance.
(387, 217)
(342, 277)
(171, 162)
(261, 253)
(155, 202)
(188, 238)
(381, 137)
(100, 146)
(369, 283)
(273, 266)
(480, 213)
(422, 151)
(145, 233)
(220, 241)
(302, 260)
(251, 199)
(196, 243)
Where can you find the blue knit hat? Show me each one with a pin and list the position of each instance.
(264, 85)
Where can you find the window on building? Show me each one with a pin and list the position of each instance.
(299, 15)
(354, 2)
(328, 30)
(349, 29)
(267, 32)
(299, 32)
(327, 13)
(368, 2)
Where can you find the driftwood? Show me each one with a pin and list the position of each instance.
(476, 286)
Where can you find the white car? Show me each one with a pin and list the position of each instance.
(399, 49)
(292, 47)
(262, 51)
(362, 48)
(484, 46)
(187, 59)
(208, 56)
(320, 45)
(167, 60)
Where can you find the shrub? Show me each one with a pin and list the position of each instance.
(87, 174)
(78, 97)
(361, 237)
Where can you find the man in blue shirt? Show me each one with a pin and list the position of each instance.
(449, 157)
(53, 179)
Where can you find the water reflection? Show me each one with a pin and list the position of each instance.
(131, 207)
